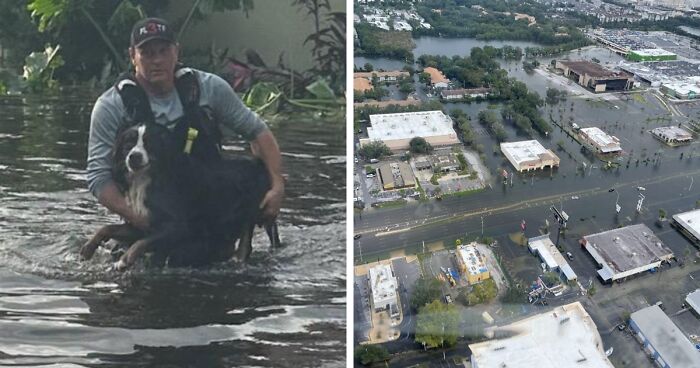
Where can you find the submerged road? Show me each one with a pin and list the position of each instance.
(387, 230)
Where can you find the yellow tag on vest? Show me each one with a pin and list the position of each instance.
(191, 136)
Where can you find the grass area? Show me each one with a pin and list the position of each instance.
(482, 292)
(638, 97)
(396, 203)
(463, 193)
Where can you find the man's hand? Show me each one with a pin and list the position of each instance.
(139, 222)
(272, 201)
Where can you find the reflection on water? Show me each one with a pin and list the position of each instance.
(283, 308)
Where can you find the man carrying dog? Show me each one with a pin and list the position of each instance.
(162, 92)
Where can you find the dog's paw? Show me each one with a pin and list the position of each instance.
(120, 265)
(88, 250)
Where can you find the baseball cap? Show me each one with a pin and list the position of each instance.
(151, 29)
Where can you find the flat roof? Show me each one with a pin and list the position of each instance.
(693, 300)
(690, 221)
(408, 125)
(549, 253)
(382, 282)
(593, 69)
(629, 247)
(673, 132)
(666, 338)
(526, 150)
(653, 52)
(471, 257)
(682, 88)
(604, 141)
(563, 337)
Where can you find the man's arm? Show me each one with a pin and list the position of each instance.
(265, 146)
(112, 198)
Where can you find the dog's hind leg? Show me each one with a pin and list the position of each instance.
(121, 232)
(245, 243)
(273, 234)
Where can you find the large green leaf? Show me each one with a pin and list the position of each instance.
(321, 90)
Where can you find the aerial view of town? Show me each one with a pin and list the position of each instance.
(524, 188)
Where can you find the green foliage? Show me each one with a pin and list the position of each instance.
(39, 69)
(514, 295)
(437, 325)
(363, 113)
(529, 66)
(378, 42)
(462, 162)
(406, 86)
(426, 291)
(482, 292)
(420, 145)
(551, 278)
(434, 179)
(554, 96)
(489, 119)
(463, 125)
(662, 213)
(368, 354)
(375, 149)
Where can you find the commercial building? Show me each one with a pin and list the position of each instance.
(592, 75)
(651, 55)
(444, 162)
(693, 300)
(529, 155)
(384, 286)
(662, 339)
(550, 255)
(396, 175)
(626, 251)
(471, 263)
(397, 130)
(458, 94)
(688, 223)
(681, 90)
(663, 72)
(437, 79)
(563, 337)
(599, 140)
(390, 76)
(672, 134)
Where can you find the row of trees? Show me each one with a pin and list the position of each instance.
(374, 41)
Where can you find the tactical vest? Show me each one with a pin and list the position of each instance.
(198, 133)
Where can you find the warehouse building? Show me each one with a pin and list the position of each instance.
(550, 255)
(665, 343)
(693, 300)
(672, 134)
(471, 264)
(396, 175)
(561, 338)
(688, 223)
(592, 75)
(651, 55)
(599, 140)
(529, 155)
(626, 251)
(681, 90)
(397, 130)
(384, 285)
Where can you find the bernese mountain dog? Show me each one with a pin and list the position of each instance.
(199, 211)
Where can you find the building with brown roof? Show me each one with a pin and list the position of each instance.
(361, 85)
(594, 76)
(437, 79)
(396, 175)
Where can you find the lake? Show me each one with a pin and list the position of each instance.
(282, 309)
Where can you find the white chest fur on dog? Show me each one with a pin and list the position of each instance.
(136, 196)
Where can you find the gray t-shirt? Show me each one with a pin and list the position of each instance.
(109, 113)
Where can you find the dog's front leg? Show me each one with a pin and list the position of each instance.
(122, 232)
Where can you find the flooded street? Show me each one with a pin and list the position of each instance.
(283, 309)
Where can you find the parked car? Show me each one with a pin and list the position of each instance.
(448, 299)
(371, 175)
(569, 256)
(373, 161)
(357, 236)
(621, 327)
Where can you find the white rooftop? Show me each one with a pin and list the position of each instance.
(549, 253)
(693, 300)
(673, 132)
(605, 142)
(524, 150)
(470, 256)
(382, 282)
(671, 344)
(653, 52)
(563, 337)
(408, 125)
(690, 221)
(682, 88)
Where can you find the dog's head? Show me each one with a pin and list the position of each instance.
(138, 148)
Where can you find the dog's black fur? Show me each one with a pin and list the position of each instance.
(197, 209)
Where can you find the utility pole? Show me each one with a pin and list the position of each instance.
(482, 226)
(691, 183)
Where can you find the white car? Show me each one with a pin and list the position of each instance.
(371, 175)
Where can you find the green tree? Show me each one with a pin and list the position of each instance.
(424, 78)
(420, 145)
(437, 325)
(375, 149)
(368, 67)
(368, 354)
(426, 290)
